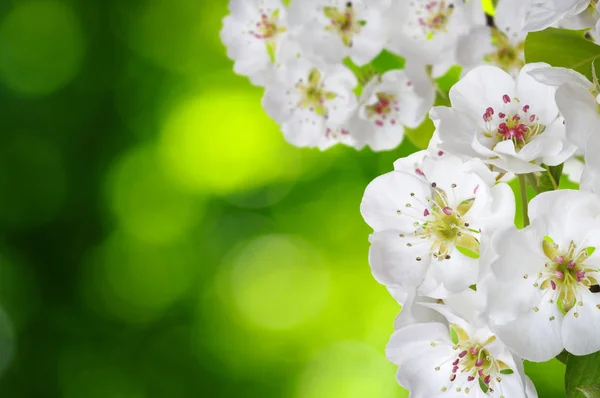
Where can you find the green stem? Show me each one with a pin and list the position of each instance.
(523, 189)
(551, 177)
(532, 181)
(563, 356)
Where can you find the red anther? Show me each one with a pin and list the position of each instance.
(506, 98)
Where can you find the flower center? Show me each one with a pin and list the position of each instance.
(444, 226)
(565, 273)
(433, 17)
(506, 56)
(475, 361)
(267, 29)
(344, 22)
(385, 107)
(313, 94)
(514, 123)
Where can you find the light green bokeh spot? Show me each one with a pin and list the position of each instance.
(349, 370)
(278, 282)
(41, 47)
(222, 142)
(146, 203)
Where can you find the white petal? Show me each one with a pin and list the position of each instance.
(450, 276)
(503, 209)
(580, 334)
(578, 107)
(415, 340)
(556, 76)
(481, 88)
(525, 255)
(456, 130)
(539, 96)
(532, 335)
(389, 193)
(415, 310)
(395, 263)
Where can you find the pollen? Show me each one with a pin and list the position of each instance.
(344, 22)
(566, 274)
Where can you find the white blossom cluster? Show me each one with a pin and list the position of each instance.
(300, 54)
(478, 295)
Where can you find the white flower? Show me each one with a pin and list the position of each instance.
(252, 34)
(468, 304)
(428, 229)
(311, 102)
(458, 358)
(584, 20)
(388, 104)
(428, 30)
(413, 163)
(541, 302)
(335, 29)
(577, 101)
(540, 14)
(511, 124)
(501, 45)
(573, 169)
(415, 308)
(590, 178)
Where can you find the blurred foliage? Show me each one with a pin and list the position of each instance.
(159, 237)
(565, 48)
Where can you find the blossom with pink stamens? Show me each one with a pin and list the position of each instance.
(526, 132)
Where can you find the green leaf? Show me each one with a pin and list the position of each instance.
(446, 82)
(421, 135)
(590, 391)
(466, 252)
(453, 336)
(582, 378)
(386, 61)
(560, 47)
(483, 386)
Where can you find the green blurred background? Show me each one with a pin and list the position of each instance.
(159, 238)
